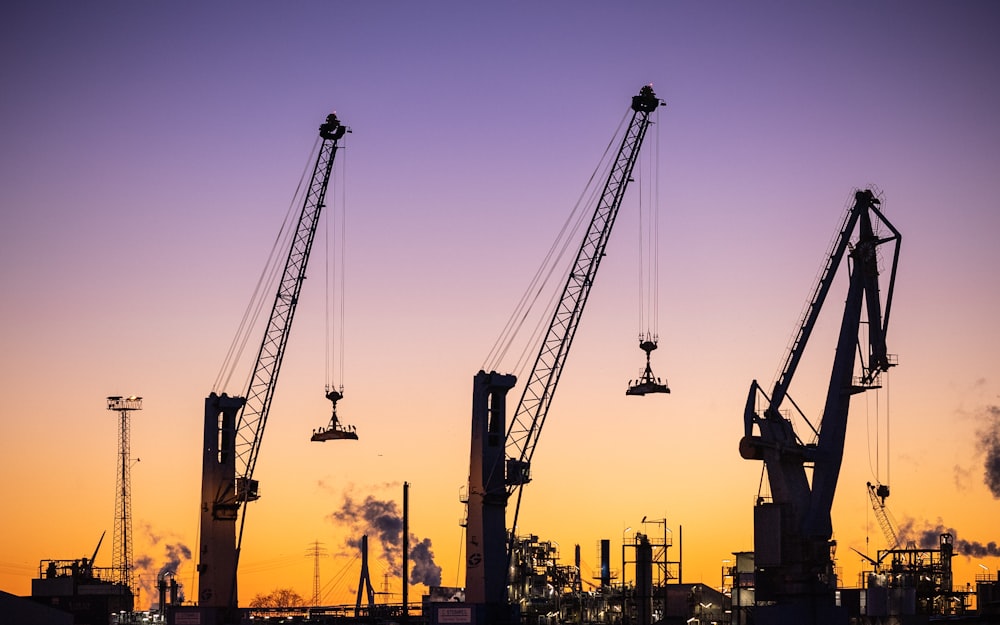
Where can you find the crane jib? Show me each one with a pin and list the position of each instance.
(268, 363)
(529, 418)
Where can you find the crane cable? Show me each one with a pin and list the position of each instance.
(877, 468)
(542, 323)
(649, 236)
(564, 242)
(884, 375)
(656, 223)
(335, 282)
(807, 305)
(268, 278)
(543, 276)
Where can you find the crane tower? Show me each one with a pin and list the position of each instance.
(501, 454)
(793, 531)
(121, 554)
(234, 425)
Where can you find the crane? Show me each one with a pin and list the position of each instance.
(234, 426)
(501, 456)
(878, 494)
(793, 531)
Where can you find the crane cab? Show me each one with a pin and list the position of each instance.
(335, 430)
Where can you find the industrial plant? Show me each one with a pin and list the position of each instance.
(789, 575)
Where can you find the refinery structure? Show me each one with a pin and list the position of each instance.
(788, 575)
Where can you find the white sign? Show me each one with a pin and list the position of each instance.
(454, 615)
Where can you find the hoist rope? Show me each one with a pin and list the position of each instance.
(880, 424)
(888, 436)
(878, 436)
(656, 223)
(557, 268)
(327, 296)
(641, 246)
(343, 259)
(649, 238)
(873, 467)
(335, 278)
(268, 278)
(564, 242)
(807, 306)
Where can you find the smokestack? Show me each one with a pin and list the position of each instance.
(162, 587)
(680, 554)
(578, 586)
(605, 563)
(644, 579)
(406, 550)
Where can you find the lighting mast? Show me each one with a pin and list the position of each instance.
(121, 554)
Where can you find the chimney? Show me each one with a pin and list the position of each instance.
(605, 563)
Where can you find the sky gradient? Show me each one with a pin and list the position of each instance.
(151, 150)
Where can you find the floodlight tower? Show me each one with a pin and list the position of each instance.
(121, 555)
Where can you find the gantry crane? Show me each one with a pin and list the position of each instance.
(795, 580)
(501, 456)
(234, 426)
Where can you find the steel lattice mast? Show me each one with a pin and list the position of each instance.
(121, 554)
(316, 550)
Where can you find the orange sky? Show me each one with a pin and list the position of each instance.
(142, 183)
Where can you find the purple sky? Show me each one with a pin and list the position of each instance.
(151, 149)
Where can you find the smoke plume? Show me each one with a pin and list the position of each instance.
(424, 570)
(373, 516)
(176, 554)
(989, 442)
(929, 537)
(149, 568)
(382, 521)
